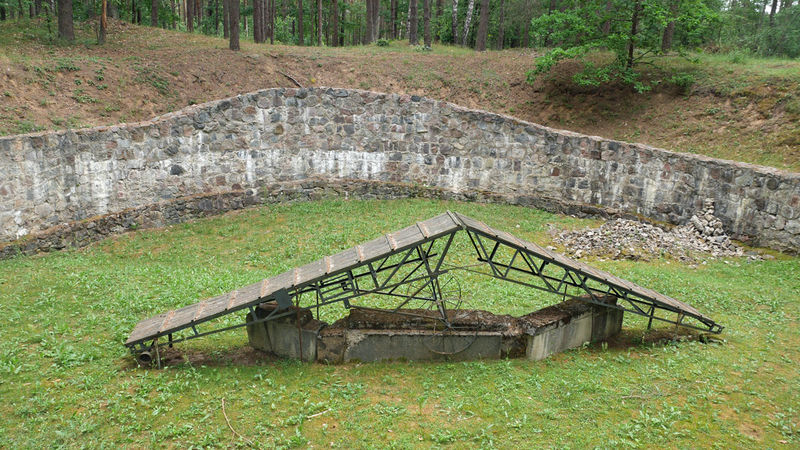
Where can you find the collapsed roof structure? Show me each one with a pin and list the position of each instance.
(408, 266)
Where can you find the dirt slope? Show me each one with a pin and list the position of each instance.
(734, 112)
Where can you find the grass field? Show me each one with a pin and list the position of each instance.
(67, 380)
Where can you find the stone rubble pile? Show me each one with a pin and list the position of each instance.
(630, 239)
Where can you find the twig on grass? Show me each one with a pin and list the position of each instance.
(317, 414)
(248, 441)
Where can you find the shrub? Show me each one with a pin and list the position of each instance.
(682, 80)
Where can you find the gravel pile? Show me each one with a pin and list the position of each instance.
(629, 239)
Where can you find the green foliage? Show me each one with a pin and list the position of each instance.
(746, 28)
(80, 96)
(382, 42)
(782, 39)
(150, 75)
(737, 57)
(66, 65)
(583, 30)
(683, 80)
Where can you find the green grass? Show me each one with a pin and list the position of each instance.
(63, 367)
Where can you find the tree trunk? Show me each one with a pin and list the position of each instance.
(190, 15)
(426, 17)
(412, 22)
(103, 25)
(637, 6)
(483, 27)
(341, 27)
(37, 7)
(225, 19)
(65, 29)
(376, 20)
(439, 11)
(198, 13)
(2, 12)
(454, 23)
(271, 21)
(334, 40)
(300, 40)
(368, 38)
(669, 31)
(467, 20)
(154, 13)
(257, 38)
(233, 10)
(393, 19)
(772, 13)
(264, 20)
(501, 31)
(319, 23)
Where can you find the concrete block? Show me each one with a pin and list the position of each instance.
(594, 325)
(289, 342)
(606, 322)
(257, 335)
(283, 338)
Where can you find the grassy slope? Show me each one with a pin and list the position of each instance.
(747, 109)
(63, 368)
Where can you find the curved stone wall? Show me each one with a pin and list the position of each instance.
(255, 146)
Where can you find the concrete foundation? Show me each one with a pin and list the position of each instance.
(582, 324)
(378, 336)
(283, 336)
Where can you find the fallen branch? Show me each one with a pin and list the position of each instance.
(291, 78)
(249, 442)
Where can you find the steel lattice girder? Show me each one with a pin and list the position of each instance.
(415, 257)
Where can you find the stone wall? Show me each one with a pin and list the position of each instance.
(248, 149)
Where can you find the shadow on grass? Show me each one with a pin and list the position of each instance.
(656, 337)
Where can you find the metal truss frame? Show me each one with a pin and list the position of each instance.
(419, 268)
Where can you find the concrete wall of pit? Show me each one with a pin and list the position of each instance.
(536, 336)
